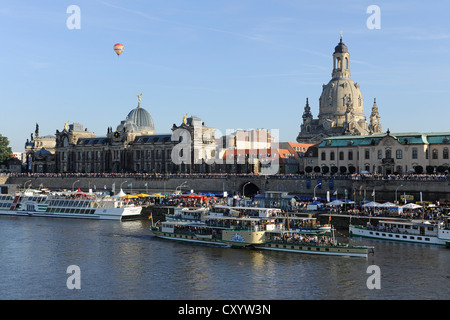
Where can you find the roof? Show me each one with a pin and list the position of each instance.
(92, 141)
(160, 138)
(141, 118)
(402, 138)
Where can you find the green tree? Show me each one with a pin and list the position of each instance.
(5, 149)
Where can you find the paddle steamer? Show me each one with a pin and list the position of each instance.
(265, 233)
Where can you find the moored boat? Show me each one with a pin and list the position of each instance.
(67, 205)
(189, 232)
(257, 233)
(423, 232)
(322, 244)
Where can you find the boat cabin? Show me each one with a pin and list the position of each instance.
(408, 227)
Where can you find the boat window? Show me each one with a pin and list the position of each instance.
(427, 239)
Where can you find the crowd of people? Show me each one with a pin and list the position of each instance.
(298, 238)
(165, 176)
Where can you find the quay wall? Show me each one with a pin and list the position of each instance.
(385, 190)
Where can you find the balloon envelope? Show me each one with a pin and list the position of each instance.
(118, 48)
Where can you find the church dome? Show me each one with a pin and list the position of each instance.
(141, 118)
(340, 94)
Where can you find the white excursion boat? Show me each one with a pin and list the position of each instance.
(405, 231)
(68, 205)
(257, 233)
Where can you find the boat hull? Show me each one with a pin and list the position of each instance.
(189, 238)
(320, 250)
(358, 231)
(98, 214)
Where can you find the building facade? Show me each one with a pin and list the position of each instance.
(132, 147)
(341, 106)
(386, 153)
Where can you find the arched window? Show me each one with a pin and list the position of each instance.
(339, 63)
(434, 154)
(445, 153)
(399, 154)
(346, 63)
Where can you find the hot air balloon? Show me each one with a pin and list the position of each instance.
(118, 48)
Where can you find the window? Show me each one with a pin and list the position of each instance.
(434, 154)
(332, 155)
(380, 154)
(323, 156)
(350, 155)
(445, 153)
(341, 155)
(399, 154)
(414, 153)
(366, 154)
(388, 153)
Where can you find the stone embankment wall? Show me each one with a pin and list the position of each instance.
(385, 190)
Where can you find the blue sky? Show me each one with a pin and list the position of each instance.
(235, 64)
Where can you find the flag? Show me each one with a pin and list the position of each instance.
(113, 189)
(150, 216)
(373, 193)
(335, 193)
(328, 196)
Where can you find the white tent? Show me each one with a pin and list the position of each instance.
(411, 206)
(387, 205)
(335, 203)
(371, 204)
(120, 194)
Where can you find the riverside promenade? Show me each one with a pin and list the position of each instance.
(357, 187)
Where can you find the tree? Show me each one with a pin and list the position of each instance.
(430, 169)
(418, 169)
(5, 149)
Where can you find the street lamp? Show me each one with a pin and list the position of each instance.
(122, 184)
(25, 184)
(73, 184)
(184, 184)
(319, 184)
(243, 189)
(396, 193)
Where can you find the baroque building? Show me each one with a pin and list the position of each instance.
(132, 147)
(386, 153)
(341, 106)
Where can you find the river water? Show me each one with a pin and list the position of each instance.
(122, 260)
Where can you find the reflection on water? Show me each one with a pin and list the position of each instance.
(121, 260)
